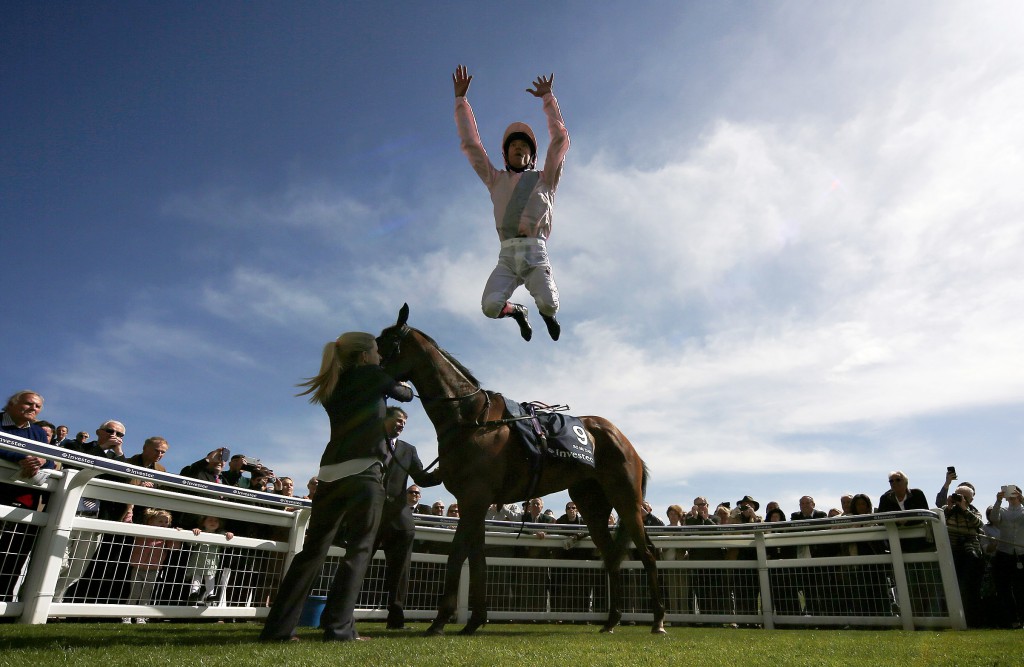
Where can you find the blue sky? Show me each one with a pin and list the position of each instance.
(787, 237)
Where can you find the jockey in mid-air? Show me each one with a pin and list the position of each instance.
(523, 199)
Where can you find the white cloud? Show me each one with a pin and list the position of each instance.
(257, 293)
(297, 206)
(109, 362)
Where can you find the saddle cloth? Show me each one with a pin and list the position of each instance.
(566, 437)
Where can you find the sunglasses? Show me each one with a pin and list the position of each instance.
(414, 493)
(111, 431)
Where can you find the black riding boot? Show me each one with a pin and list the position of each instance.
(520, 314)
(554, 328)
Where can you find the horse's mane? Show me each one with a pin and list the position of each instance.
(454, 362)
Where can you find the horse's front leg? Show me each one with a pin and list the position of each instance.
(453, 570)
(477, 573)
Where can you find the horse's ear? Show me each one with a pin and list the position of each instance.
(403, 315)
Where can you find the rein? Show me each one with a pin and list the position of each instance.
(442, 399)
(487, 404)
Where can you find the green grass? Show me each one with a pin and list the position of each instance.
(504, 645)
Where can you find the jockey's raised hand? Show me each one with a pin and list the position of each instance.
(462, 79)
(541, 86)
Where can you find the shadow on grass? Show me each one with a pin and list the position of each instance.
(65, 636)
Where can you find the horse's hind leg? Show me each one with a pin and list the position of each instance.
(633, 526)
(650, 562)
(595, 509)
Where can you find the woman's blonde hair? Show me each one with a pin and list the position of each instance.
(151, 514)
(338, 357)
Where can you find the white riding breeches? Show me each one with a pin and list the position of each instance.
(522, 261)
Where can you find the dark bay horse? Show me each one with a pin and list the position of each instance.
(486, 463)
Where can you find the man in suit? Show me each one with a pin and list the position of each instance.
(397, 528)
(815, 584)
(807, 511)
(413, 498)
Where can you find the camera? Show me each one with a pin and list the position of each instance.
(956, 497)
(951, 470)
(256, 467)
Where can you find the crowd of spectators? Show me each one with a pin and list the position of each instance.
(987, 547)
(112, 567)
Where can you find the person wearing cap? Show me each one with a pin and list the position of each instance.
(746, 511)
(523, 200)
(745, 585)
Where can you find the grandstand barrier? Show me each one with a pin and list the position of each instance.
(881, 570)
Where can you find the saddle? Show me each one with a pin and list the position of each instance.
(549, 434)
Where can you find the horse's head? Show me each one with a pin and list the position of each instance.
(409, 354)
(389, 345)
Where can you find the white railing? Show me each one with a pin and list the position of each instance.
(793, 573)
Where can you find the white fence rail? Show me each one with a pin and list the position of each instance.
(849, 571)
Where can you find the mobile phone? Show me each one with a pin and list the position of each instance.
(951, 469)
(1009, 491)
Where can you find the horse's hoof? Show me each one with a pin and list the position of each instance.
(613, 619)
(658, 630)
(608, 630)
(434, 631)
(473, 625)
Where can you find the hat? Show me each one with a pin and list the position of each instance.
(748, 499)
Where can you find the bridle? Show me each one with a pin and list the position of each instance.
(388, 355)
(389, 346)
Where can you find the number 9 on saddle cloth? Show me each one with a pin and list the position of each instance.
(547, 433)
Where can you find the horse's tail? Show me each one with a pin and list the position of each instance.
(644, 478)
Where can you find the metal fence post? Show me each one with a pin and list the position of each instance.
(899, 573)
(767, 605)
(48, 552)
(950, 584)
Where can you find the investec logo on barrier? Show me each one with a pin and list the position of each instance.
(198, 485)
(138, 473)
(12, 442)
